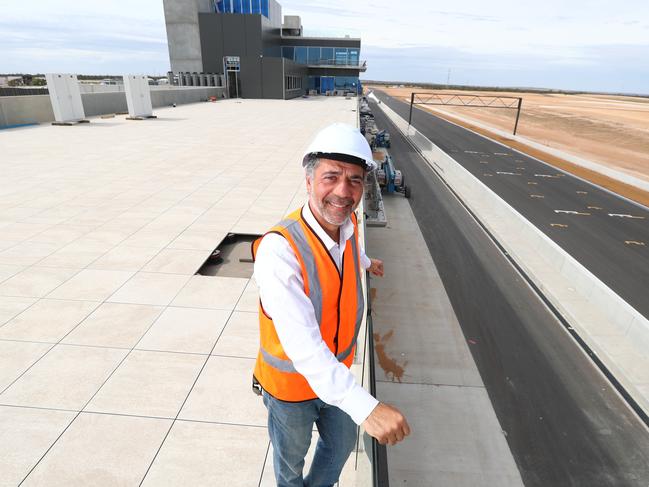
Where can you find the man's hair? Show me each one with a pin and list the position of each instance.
(312, 162)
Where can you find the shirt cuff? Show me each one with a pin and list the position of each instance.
(358, 404)
(365, 261)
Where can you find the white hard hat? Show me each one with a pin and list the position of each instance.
(342, 142)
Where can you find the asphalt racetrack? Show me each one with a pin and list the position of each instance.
(604, 232)
(564, 422)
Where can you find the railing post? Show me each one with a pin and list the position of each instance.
(518, 114)
(412, 100)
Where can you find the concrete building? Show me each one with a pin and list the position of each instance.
(248, 46)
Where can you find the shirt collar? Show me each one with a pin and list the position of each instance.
(346, 229)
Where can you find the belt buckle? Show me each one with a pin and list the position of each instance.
(256, 386)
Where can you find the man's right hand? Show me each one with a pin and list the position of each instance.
(386, 424)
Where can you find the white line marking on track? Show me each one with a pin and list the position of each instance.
(621, 215)
(560, 225)
(537, 196)
(634, 242)
(509, 173)
(500, 154)
(546, 176)
(572, 212)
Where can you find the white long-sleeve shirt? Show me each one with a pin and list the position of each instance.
(281, 289)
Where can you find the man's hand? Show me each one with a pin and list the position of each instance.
(376, 267)
(386, 424)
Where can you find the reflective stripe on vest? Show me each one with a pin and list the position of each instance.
(293, 228)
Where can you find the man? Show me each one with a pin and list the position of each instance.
(308, 270)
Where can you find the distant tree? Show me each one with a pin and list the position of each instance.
(39, 82)
(15, 82)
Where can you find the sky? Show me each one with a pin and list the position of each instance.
(595, 45)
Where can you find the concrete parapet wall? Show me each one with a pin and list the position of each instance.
(181, 96)
(95, 104)
(613, 329)
(23, 110)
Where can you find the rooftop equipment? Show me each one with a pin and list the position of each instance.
(138, 97)
(65, 98)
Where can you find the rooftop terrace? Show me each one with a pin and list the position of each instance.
(117, 363)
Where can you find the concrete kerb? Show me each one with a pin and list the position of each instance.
(574, 291)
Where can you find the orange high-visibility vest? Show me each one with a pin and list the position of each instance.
(337, 299)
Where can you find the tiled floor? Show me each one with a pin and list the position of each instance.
(117, 364)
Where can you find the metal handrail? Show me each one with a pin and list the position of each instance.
(379, 455)
(333, 62)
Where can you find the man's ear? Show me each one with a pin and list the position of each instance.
(308, 183)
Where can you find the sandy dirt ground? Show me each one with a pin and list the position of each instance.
(606, 129)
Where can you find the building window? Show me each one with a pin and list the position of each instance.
(301, 55)
(346, 83)
(353, 57)
(292, 83)
(341, 55)
(288, 52)
(327, 55)
(314, 55)
(242, 7)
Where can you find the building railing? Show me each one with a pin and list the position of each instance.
(378, 453)
(333, 63)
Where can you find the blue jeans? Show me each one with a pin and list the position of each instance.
(290, 425)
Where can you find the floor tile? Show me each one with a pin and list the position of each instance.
(48, 320)
(10, 307)
(25, 436)
(101, 450)
(114, 325)
(198, 240)
(7, 270)
(250, 298)
(150, 238)
(150, 288)
(124, 258)
(61, 234)
(66, 378)
(176, 261)
(240, 338)
(210, 454)
(149, 384)
(23, 231)
(16, 357)
(36, 282)
(211, 292)
(91, 285)
(27, 253)
(223, 394)
(73, 256)
(188, 330)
